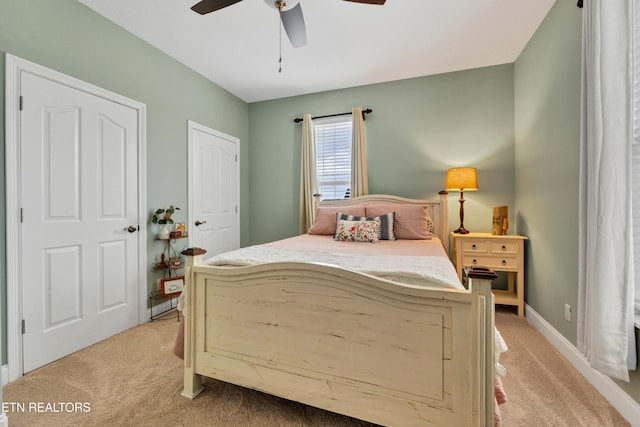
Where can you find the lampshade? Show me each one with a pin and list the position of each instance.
(462, 179)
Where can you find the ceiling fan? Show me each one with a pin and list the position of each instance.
(292, 19)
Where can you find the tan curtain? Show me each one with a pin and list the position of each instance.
(308, 182)
(359, 177)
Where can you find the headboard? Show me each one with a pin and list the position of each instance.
(436, 209)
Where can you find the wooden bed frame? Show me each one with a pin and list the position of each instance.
(343, 341)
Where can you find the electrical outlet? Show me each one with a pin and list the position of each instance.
(567, 312)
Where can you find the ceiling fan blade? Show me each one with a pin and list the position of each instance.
(208, 6)
(380, 2)
(293, 22)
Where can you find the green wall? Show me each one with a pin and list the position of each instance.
(68, 37)
(547, 116)
(547, 153)
(418, 129)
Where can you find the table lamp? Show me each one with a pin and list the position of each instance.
(461, 179)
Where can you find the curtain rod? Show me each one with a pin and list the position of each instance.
(367, 111)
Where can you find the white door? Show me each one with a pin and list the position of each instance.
(79, 192)
(213, 190)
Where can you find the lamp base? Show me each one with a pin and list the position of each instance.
(461, 230)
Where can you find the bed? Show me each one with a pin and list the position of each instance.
(371, 343)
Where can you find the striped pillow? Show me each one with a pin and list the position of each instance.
(385, 231)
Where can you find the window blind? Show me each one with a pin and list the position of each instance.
(333, 157)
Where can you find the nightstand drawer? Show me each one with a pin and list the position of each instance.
(504, 247)
(499, 263)
(475, 246)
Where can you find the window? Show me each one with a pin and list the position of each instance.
(333, 157)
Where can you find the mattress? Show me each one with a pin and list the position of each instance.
(421, 263)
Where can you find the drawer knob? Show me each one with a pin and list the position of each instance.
(504, 248)
(473, 246)
(475, 261)
(504, 262)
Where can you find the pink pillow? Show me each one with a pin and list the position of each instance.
(325, 222)
(411, 222)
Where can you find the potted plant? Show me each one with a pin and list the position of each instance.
(163, 217)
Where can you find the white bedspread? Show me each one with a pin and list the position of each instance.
(413, 270)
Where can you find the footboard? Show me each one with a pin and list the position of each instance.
(343, 341)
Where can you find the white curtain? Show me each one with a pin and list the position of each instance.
(606, 274)
(359, 177)
(308, 181)
(635, 157)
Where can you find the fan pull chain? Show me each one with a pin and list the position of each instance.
(280, 40)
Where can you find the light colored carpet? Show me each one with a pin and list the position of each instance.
(133, 379)
(542, 386)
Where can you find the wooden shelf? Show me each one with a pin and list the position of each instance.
(505, 297)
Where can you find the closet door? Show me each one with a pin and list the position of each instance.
(214, 215)
(79, 192)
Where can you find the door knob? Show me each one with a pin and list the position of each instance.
(200, 223)
(132, 229)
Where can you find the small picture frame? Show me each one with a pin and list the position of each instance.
(500, 222)
(179, 226)
(171, 286)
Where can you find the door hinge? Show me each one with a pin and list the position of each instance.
(23, 327)
(20, 102)
(236, 158)
(21, 215)
(236, 209)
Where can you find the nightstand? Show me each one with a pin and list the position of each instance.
(499, 253)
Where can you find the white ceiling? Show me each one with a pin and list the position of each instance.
(348, 44)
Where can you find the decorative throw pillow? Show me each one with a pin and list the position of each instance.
(411, 221)
(325, 222)
(385, 231)
(357, 231)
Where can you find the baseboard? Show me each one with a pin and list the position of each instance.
(616, 396)
(5, 374)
